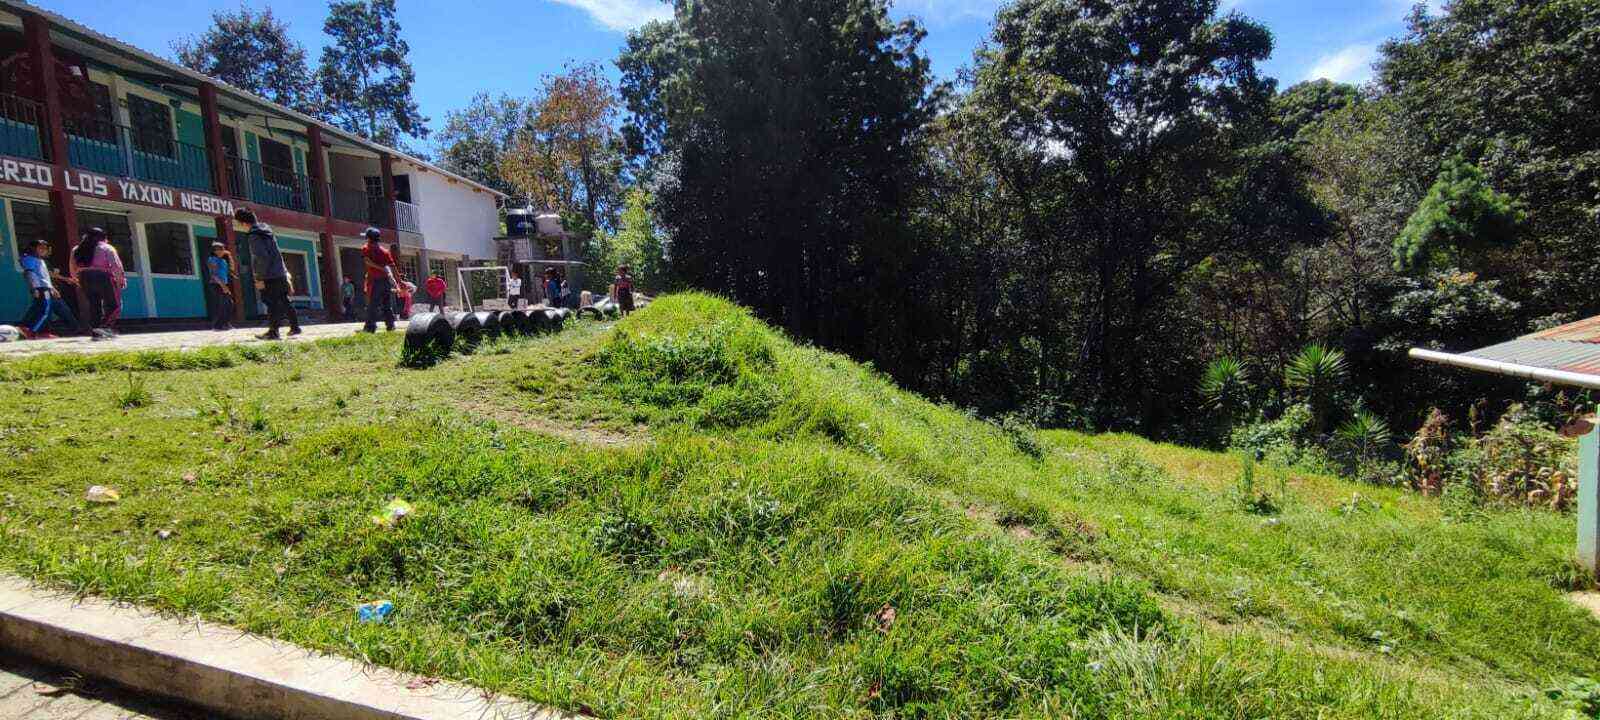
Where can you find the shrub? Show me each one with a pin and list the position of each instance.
(1520, 459)
(1428, 453)
(1287, 440)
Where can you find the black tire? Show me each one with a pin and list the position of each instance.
(593, 313)
(430, 335)
(490, 322)
(514, 322)
(553, 320)
(469, 333)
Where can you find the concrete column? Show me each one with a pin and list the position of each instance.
(329, 252)
(63, 206)
(219, 181)
(1589, 499)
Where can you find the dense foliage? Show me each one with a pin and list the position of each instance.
(1118, 221)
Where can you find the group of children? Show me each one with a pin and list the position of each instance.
(96, 269)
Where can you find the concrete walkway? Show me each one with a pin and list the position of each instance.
(179, 340)
(28, 690)
(226, 672)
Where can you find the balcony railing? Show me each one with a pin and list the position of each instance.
(21, 127)
(407, 217)
(357, 206)
(272, 185)
(122, 151)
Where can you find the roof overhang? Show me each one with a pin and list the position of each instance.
(1565, 355)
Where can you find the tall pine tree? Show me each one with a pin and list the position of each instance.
(365, 77)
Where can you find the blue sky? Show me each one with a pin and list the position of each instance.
(459, 47)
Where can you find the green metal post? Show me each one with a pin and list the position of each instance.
(1589, 499)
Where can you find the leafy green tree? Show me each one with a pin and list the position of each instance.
(1460, 216)
(474, 140)
(782, 137)
(1513, 85)
(1303, 104)
(365, 77)
(1134, 140)
(637, 243)
(252, 51)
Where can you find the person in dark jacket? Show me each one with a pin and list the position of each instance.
(271, 274)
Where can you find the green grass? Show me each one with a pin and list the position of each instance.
(687, 515)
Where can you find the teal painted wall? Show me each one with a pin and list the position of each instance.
(309, 247)
(13, 292)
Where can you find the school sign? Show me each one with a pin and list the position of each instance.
(28, 173)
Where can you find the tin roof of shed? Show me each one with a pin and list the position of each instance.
(1565, 355)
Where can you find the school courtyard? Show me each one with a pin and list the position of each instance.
(172, 340)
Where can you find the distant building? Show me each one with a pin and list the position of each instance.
(104, 134)
(536, 241)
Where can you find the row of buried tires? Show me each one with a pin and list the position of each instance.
(437, 334)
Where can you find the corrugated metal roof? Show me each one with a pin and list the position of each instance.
(1582, 331)
(1569, 354)
(1578, 357)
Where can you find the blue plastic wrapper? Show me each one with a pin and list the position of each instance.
(375, 612)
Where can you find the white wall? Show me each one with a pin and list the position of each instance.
(454, 218)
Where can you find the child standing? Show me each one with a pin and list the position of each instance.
(45, 299)
(220, 286)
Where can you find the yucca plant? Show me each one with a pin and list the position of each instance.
(1316, 374)
(1225, 389)
(1364, 434)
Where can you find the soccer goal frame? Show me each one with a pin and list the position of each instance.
(501, 283)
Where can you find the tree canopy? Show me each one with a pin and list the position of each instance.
(252, 51)
(365, 77)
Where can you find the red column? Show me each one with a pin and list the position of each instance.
(217, 152)
(63, 208)
(386, 161)
(330, 252)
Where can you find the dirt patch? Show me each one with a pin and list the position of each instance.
(586, 434)
(1587, 600)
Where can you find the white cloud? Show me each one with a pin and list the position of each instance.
(621, 15)
(1351, 64)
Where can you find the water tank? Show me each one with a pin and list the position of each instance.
(520, 223)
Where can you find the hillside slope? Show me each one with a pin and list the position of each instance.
(687, 515)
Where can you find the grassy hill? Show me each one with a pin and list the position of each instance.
(687, 515)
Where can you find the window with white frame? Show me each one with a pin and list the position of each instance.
(171, 249)
(299, 265)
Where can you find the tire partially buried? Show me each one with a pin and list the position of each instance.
(430, 334)
(511, 323)
(489, 322)
(469, 332)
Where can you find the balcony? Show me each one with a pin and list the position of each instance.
(21, 133)
(121, 151)
(271, 185)
(407, 217)
(357, 206)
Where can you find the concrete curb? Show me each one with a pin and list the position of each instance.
(226, 671)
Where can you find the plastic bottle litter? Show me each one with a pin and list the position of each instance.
(396, 511)
(375, 612)
(102, 494)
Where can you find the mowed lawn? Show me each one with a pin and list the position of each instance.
(686, 515)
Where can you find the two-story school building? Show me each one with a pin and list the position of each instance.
(94, 132)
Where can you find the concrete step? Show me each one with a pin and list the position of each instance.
(225, 671)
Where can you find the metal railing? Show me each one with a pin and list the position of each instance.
(272, 185)
(125, 152)
(22, 127)
(407, 217)
(357, 206)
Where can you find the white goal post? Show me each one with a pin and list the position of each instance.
(484, 286)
